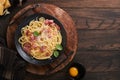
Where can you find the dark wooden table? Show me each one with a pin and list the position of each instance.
(98, 24)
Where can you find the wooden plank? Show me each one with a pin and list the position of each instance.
(95, 18)
(96, 23)
(103, 76)
(99, 39)
(83, 3)
(94, 13)
(99, 61)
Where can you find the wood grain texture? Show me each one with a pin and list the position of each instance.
(99, 61)
(103, 76)
(71, 38)
(84, 3)
(98, 25)
(99, 39)
(95, 18)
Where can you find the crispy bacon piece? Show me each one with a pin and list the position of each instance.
(28, 33)
(47, 54)
(32, 38)
(43, 48)
(48, 22)
(27, 47)
(48, 30)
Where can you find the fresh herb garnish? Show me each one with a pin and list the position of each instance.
(35, 33)
(59, 47)
(56, 53)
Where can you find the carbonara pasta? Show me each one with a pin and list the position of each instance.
(40, 37)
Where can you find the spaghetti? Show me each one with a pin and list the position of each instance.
(40, 38)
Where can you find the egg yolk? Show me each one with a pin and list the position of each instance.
(73, 71)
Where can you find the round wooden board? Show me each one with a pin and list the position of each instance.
(70, 29)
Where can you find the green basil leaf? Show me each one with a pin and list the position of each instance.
(59, 47)
(35, 33)
(56, 53)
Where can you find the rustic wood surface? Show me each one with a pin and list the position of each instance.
(71, 38)
(98, 24)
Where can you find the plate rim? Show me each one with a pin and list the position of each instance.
(27, 57)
